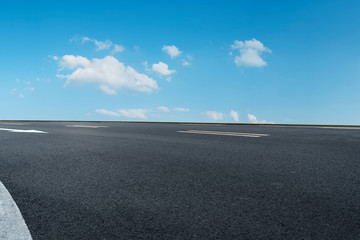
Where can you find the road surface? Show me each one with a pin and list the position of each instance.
(181, 181)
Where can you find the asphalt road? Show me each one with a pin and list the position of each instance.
(150, 181)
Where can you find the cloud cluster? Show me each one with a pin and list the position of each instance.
(250, 53)
(140, 113)
(21, 90)
(172, 51)
(107, 73)
(127, 113)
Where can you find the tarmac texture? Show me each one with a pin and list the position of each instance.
(182, 181)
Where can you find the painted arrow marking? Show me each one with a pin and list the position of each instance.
(21, 130)
(12, 224)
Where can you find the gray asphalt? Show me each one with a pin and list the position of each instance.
(148, 181)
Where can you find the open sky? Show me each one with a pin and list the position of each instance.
(210, 61)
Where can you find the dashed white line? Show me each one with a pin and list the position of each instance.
(85, 126)
(356, 128)
(21, 130)
(12, 224)
(235, 134)
(16, 124)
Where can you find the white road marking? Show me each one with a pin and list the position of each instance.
(17, 124)
(357, 128)
(12, 224)
(235, 134)
(85, 126)
(195, 124)
(21, 130)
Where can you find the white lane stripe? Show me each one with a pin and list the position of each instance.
(21, 130)
(357, 128)
(12, 224)
(221, 134)
(85, 126)
(235, 134)
(255, 134)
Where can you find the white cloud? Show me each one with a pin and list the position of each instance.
(162, 69)
(29, 89)
(108, 73)
(234, 115)
(127, 113)
(134, 113)
(253, 119)
(173, 51)
(188, 56)
(140, 113)
(146, 65)
(22, 90)
(182, 109)
(117, 48)
(185, 63)
(100, 45)
(107, 90)
(250, 51)
(163, 109)
(71, 61)
(214, 115)
(107, 112)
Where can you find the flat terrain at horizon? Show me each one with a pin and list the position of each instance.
(74, 180)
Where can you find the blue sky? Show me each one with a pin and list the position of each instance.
(208, 61)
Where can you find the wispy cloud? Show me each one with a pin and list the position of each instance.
(185, 63)
(216, 116)
(107, 112)
(163, 109)
(139, 113)
(133, 113)
(100, 45)
(127, 113)
(117, 48)
(250, 53)
(178, 109)
(22, 88)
